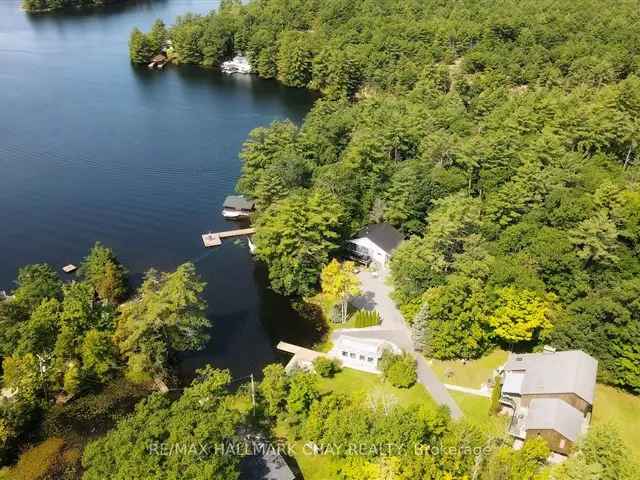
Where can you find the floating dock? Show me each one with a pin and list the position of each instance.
(214, 239)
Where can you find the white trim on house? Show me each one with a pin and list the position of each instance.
(366, 246)
(361, 353)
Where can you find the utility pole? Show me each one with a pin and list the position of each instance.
(253, 395)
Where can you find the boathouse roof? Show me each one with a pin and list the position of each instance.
(238, 202)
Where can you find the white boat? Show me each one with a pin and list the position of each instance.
(237, 64)
(229, 213)
(252, 246)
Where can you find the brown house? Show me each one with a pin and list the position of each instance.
(550, 395)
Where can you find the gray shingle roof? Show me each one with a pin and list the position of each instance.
(383, 235)
(572, 371)
(555, 414)
(238, 202)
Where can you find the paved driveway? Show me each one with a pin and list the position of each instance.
(376, 296)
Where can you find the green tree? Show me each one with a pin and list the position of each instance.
(457, 325)
(38, 334)
(340, 284)
(601, 455)
(205, 415)
(295, 237)
(523, 464)
(140, 48)
(167, 317)
(158, 36)
(294, 59)
(595, 240)
(103, 271)
(274, 388)
(399, 370)
(36, 283)
(99, 355)
(303, 391)
(521, 315)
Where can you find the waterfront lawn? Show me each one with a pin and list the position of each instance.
(619, 408)
(359, 384)
(473, 373)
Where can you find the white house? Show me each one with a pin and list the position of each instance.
(375, 242)
(361, 353)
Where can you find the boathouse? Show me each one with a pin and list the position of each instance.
(237, 206)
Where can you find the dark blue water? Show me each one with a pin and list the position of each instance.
(92, 148)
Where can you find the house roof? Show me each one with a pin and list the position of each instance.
(238, 202)
(371, 346)
(571, 371)
(555, 414)
(383, 235)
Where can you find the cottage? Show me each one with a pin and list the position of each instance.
(375, 242)
(237, 206)
(361, 353)
(550, 395)
(158, 61)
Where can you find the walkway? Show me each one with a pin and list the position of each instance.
(470, 391)
(377, 296)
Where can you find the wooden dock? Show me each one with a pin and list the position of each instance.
(215, 239)
(302, 357)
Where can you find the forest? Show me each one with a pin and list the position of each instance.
(50, 5)
(500, 137)
(78, 355)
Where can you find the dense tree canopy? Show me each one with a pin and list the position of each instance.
(49, 5)
(67, 340)
(501, 138)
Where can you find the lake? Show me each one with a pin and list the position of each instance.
(92, 148)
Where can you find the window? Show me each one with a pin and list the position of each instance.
(370, 359)
(352, 355)
(562, 443)
(362, 358)
(345, 354)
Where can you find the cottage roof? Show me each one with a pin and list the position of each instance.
(238, 202)
(159, 58)
(383, 235)
(555, 414)
(370, 346)
(571, 371)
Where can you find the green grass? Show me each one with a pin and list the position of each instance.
(612, 406)
(476, 412)
(621, 409)
(356, 384)
(473, 373)
(360, 384)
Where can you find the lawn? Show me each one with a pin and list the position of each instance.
(613, 406)
(476, 412)
(357, 384)
(471, 374)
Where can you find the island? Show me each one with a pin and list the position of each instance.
(41, 6)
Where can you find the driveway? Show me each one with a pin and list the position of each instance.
(376, 295)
